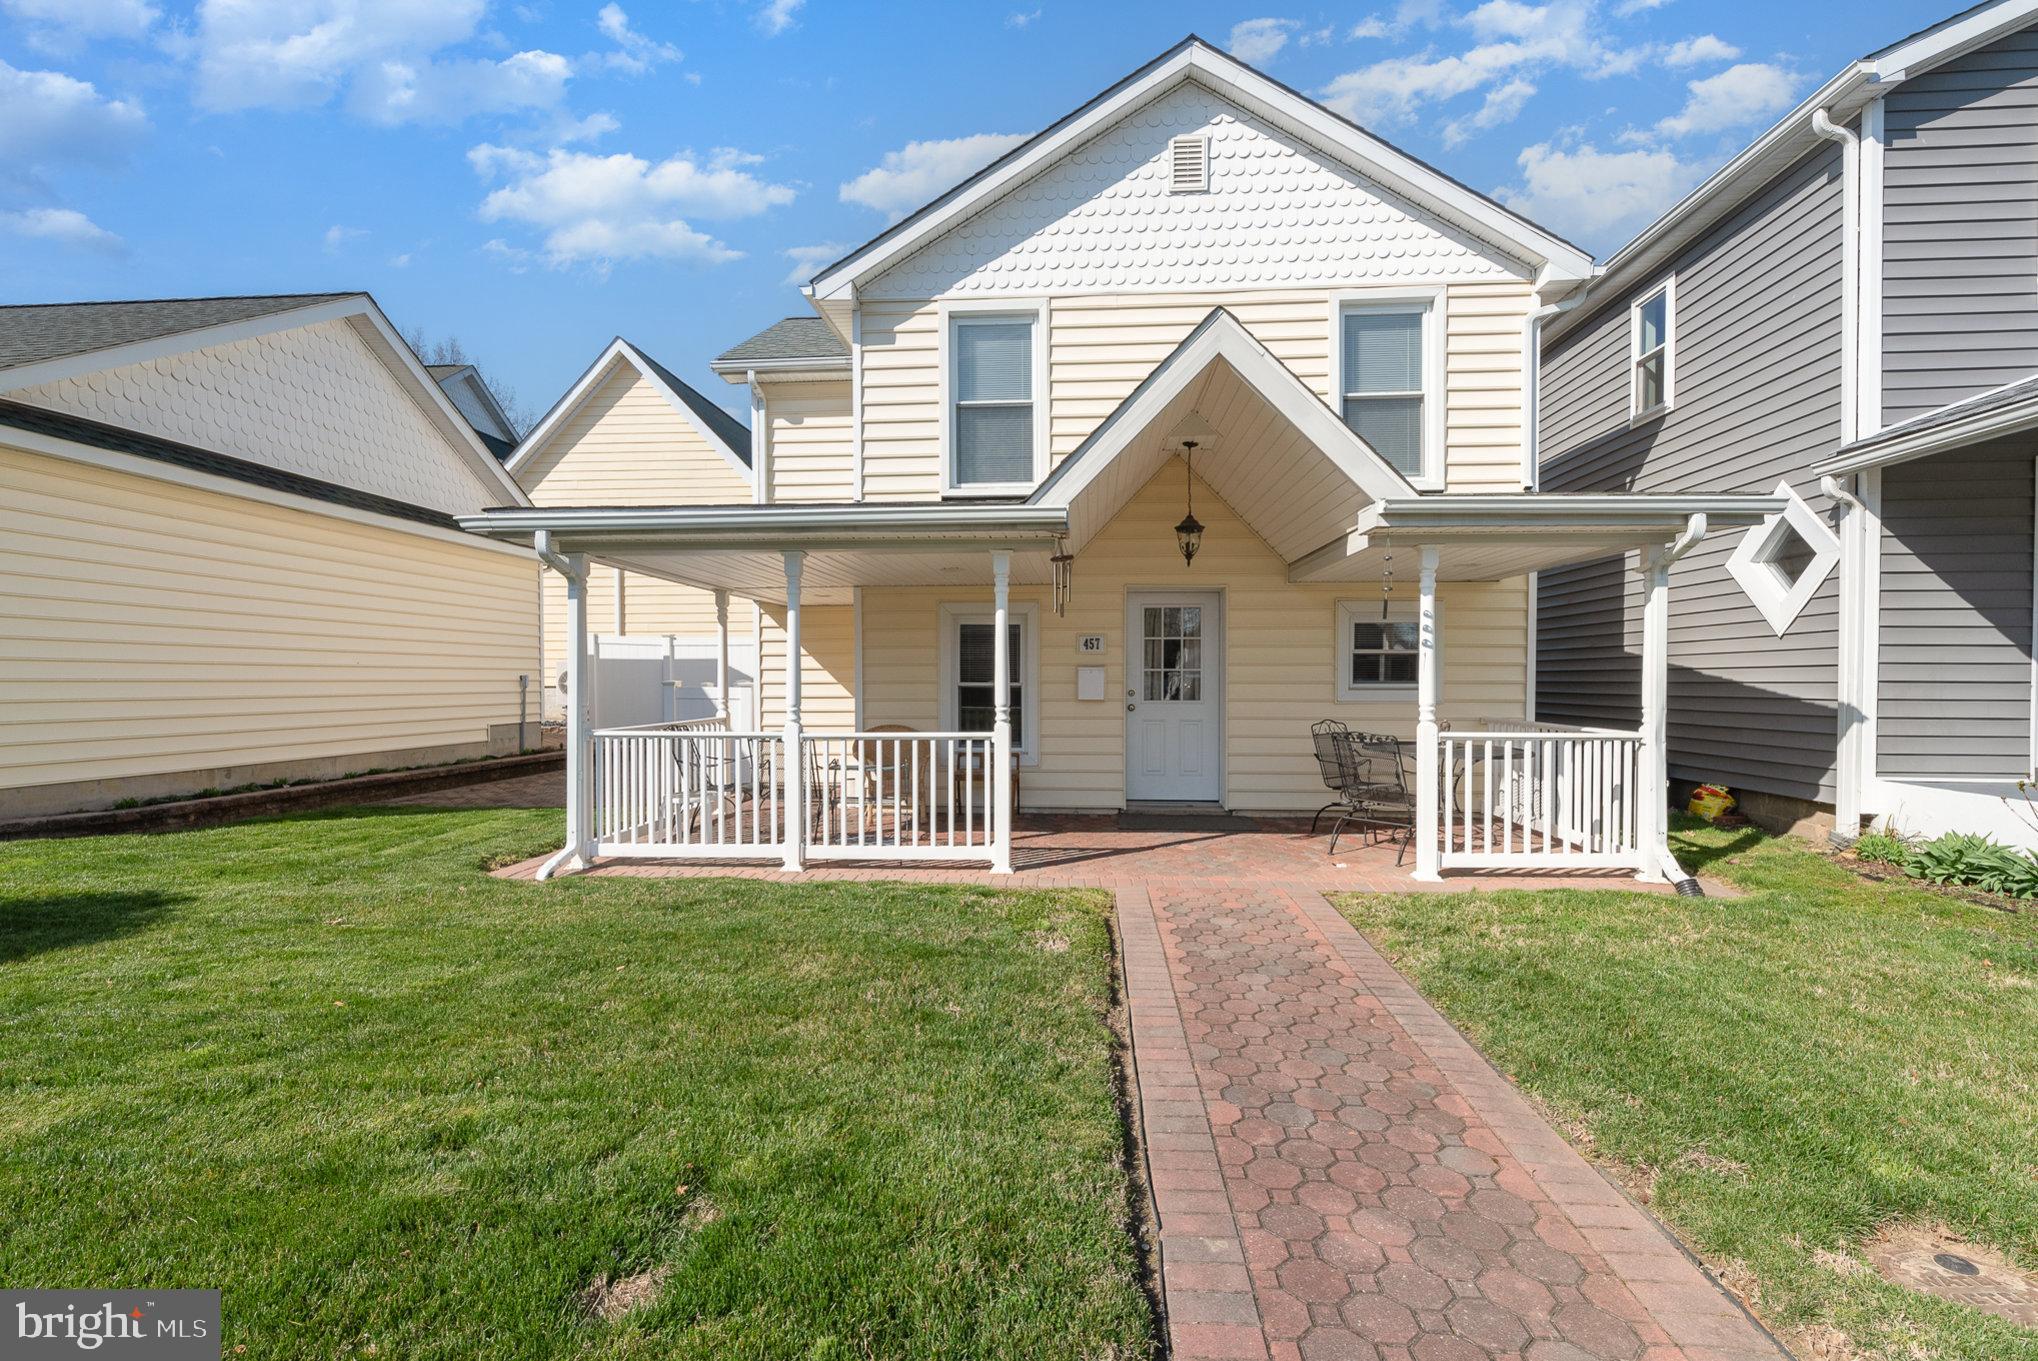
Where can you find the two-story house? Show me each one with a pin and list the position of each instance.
(1845, 315)
(1199, 418)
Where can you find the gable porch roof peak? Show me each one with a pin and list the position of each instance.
(1554, 259)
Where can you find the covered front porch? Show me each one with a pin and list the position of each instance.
(1493, 792)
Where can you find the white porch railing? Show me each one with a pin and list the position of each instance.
(1541, 796)
(695, 790)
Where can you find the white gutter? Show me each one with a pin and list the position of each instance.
(782, 522)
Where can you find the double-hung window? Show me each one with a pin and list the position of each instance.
(1384, 373)
(991, 380)
(969, 690)
(1376, 658)
(1652, 364)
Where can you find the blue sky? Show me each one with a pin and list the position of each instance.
(537, 177)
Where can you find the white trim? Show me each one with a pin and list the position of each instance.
(1431, 302)
(1781, 603)
(1535, 607)
(597, 373)
(1221, 336)
(1026, 614)
(1233, 80)
(1637, 413)
(856, 656)
(1868, 490)
(1868, 276)
(1400, 610)
(31, 442)
(760, 444)
(856, 402)
(955, 311)
(2031, 760)
(1928, 805)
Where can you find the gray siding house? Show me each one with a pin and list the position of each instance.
(1847, 312)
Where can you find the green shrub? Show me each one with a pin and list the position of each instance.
(1882, 848)
(1967, 859)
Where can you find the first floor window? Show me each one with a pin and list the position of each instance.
(993, 385)
(976, 687)
(1376, 657)
(1381, 364)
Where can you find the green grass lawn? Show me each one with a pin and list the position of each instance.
(393, 1107)
(1792, 1068)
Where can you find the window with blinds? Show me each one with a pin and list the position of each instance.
(993, 385)
(1382, 368)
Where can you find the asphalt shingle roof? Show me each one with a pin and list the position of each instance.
(31, 333)
(2016, 394)
(792, 338)
(77, 429)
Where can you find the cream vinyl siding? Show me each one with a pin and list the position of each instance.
(827, 673)
(1280, 653)
(627, 446)
(153, 629)
(810, 435)
(1101, 347)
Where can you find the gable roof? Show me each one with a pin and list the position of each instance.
(31, 333)
(2008, 410)
(446, 375)
(1296, 114)
(49, 342)
(723, 432)
(793, 339)
(1788, 141)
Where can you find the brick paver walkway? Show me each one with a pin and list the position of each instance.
(1337, 1174)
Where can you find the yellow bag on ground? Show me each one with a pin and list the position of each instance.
(1709, 801)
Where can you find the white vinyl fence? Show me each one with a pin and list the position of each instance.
(1541, 796)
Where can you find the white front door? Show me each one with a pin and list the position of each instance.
(1174, 696)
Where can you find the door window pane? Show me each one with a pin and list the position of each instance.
(1173, 648)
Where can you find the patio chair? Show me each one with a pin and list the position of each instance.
(1373, 789)
(904, 770)
(1323, 736)
(706, 782)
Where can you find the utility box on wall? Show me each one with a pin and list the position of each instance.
(1089, 682)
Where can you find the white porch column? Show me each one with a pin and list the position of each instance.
(579, 722)
(1001, 726)
(1652, 798)
(1428, 768)
(722, 656)
(795, 757)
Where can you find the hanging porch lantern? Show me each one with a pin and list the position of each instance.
(1189, 533)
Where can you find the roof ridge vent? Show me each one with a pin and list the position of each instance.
(1189, 164)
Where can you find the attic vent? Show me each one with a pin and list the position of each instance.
(1188, 165)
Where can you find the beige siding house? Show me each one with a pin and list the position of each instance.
(229, 554)
(1196, 420)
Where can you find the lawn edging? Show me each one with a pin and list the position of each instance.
(185, 814)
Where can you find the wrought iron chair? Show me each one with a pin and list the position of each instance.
(1323, 737)
(1373, 789)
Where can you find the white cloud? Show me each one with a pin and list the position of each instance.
(382, 53)
(66, 226)
(1021, 18)
(1513, 39)
(1694, 51)
(604, 208)
(1372, 26)
(1734, 98)
(1259, 41)
(807, 260)
(1502, 104)
(776, 16)
(78, 19)
(400, 261)
(918, 171)
(1596, 196)
(635, 53)
(1627, 8)
(338, 235)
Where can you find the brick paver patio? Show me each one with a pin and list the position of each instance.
(1337, 1174)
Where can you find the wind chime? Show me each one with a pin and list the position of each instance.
(1386, 582)
(1063, 564)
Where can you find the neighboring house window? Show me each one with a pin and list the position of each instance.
(995, 434)
(969, 666)
(1653, 371)
(1376, 658)
(1389, 372)
(1782, 562)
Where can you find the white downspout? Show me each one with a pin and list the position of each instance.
(1847, 800)
(1532, 456)
(1850, 269)
(579, 711)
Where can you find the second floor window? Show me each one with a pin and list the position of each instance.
(1650, 383)
(993, 386)
(1382, 379)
